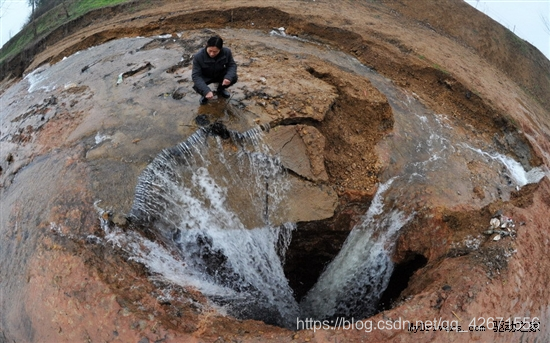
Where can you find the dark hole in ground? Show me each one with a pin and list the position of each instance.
(313, 247)
(399, 279)
(315, 244)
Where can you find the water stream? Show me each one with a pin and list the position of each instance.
(216, 205)
(354, 281)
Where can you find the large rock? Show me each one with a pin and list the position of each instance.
(308, 201)
(301, 149)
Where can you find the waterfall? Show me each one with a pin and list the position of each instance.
(241, 268)
(354, 281)
(217, 203)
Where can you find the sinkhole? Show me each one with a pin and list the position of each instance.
(220, 201)
(399, 279)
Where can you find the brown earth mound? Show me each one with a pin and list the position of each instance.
(487, 81)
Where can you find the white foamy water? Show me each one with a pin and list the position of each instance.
(214, 206)
(517, 172)
(39, 79)
(354, 281)
(99, 138)
(237, 268)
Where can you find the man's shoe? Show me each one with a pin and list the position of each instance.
(223, 93)
(203, 101)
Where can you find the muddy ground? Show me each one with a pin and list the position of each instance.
(470, 77)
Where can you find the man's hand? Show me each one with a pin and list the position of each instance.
(226, 82)
(209, 95)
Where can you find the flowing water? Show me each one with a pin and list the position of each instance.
(354, 281)
(218, 205)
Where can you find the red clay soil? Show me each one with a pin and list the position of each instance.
(463, 64)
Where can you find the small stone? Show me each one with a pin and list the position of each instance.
(446, 288)
(179, 93)
(202, 120)
(495, 222)
(497, 238)
(120, 220)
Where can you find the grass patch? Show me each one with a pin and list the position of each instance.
(440, 68)
(517, 42)
(83, 7)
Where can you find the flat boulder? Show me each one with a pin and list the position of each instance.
(309, 201)
(301, 150)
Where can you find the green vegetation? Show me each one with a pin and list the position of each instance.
(52, 15)
(85, 6)
(441, 69)
(517, 42)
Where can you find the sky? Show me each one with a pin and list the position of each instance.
(526, 18)
(13, 15)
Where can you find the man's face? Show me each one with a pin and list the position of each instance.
(212, 51)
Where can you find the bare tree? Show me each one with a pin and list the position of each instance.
(65, 5)
(546, 23)
(33, 4)
(3, 7)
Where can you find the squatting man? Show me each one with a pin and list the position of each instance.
(213, 64)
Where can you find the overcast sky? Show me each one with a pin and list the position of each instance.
(529, 19)
(13, 15)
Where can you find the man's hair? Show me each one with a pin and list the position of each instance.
(216, 41)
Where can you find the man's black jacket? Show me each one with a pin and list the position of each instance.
(207, 70)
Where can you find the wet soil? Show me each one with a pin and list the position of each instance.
(466, 275)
